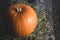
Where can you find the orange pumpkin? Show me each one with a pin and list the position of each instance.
(24, 19)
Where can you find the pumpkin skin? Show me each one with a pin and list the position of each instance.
(23, 20)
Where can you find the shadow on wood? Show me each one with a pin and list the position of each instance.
(5, 25)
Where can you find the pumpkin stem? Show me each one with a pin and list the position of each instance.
(19, 10)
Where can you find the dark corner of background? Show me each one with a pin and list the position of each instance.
(5, 26)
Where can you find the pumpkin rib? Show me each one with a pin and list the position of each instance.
(26, 28)
(23, 22)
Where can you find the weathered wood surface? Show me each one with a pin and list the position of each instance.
(56, 17)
